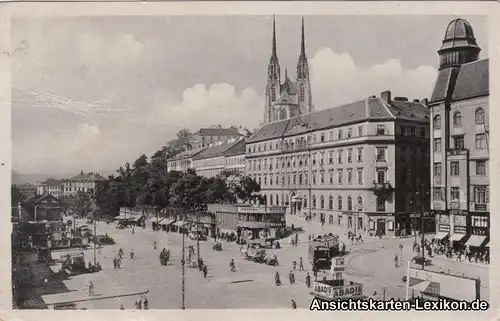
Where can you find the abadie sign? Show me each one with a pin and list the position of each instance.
(337, 292)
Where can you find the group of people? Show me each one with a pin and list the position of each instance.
(164, 256)
(139, 304)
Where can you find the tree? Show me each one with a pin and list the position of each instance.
(82, 204)
(247, 189)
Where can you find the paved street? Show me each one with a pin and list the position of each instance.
(251, 286)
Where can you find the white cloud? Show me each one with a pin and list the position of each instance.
(336, 79)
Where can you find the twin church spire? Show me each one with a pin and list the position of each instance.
(287, 99)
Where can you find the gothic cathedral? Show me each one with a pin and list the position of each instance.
(287, 99)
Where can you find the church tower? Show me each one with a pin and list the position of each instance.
(303, 84)
(273, 80)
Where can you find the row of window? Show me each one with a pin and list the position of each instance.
(457, 118)
(313, 138)
(302, 178)
(322, 202)
(459, 142)
(481, 194)
(455, 168)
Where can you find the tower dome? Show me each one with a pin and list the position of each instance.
(459, 45)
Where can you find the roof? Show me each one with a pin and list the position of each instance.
(444, 82)
(459, 33)
(38, 198)
(186, 154)
(237, 149)
(218, 132)
(269, 131)
(369, 108)
(87, 177)
(286, 98)
(214, 151)
(469, 81)
(51, 182)
(472, 80)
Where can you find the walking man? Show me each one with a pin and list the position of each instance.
(91, 288)
(294, 305)
(205, 271)
(396, 260)
(146, 304)
(301, 265)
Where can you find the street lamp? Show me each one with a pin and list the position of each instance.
(421, 194)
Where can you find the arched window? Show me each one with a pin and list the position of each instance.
(277, 197)
(349, 203)
(273, 92)
(479, 116)
(437, 122)
(322, 202)
(330, 202)
(305, 202)
(457, 119)
(314, 201)
(360, 201)
(339, 203)
(271, 199)
(302, 92)
(265, 198)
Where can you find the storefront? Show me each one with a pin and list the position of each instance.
(381, 224)
(479, 228)
(443, 227)
(459, 235)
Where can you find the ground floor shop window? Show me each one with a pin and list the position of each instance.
(330, 219)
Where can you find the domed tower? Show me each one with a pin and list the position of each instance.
(459, 45)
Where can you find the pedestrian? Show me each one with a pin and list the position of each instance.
(121, 307)
(154, 245)
(301, 265)
(291, 276)
(200, 267)
(294, 305)
(459, 256)
(136, 305)
(133, 231)
(91, 288)
(139, 304)
(396, 260)
(294, 263)
(205, 271)
(308, 280)
(296, 238)
(146, 304)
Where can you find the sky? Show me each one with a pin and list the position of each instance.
(93, 93)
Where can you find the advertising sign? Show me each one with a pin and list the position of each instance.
(337, 292)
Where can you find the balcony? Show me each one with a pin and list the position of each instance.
(295, 147)
(382, 187)
(457, 152)
(455, 205)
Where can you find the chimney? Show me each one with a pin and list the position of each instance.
(416, 101)
(386, 96)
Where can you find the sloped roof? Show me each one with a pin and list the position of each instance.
(237, 149)
(472, 80)
(269, 131)
(215, 150)
(39, 198)
(286, 98)
(51, 182)
(91, 177)
(288, 86)
(444, 83)
(186, 154)
(369, 108)
(218, 132)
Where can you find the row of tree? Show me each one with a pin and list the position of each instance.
(147, 183)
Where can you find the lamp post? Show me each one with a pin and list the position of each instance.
(422, 240)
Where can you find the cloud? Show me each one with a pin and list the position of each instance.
(336, 79)
(108, 133)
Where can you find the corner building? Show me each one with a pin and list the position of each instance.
(459, 110)
(354, 166)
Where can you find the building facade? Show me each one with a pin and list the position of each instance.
(354, 166)
(205, 137)
(459, 112)
(248, 221)
(224, 155)
(52, 187)
(87, 183)
(183, 161)
(286, 99)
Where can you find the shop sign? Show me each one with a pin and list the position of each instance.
(444, 220)
(337, 292)
(460, 220)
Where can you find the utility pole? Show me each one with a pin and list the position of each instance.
(183, 262)
(95, 239)
(423, 224)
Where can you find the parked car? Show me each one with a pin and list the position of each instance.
(420, 259)
(105, 239)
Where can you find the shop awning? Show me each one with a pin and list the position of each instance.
(421, 286)
(476, 240)
(441, 235)
(179, 223)
(457, 237)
